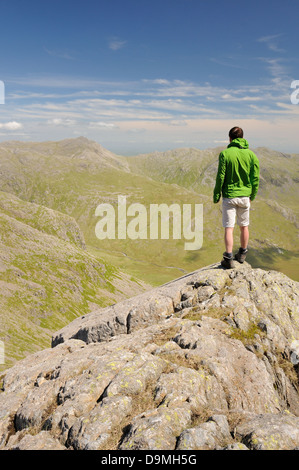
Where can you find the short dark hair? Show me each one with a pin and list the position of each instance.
(236, 133)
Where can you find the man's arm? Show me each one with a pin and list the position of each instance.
(219, 178)
(254, 176)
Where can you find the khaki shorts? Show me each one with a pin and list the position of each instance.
(235, 206)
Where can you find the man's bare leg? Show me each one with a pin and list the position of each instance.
(227, 262)
(244, 237)
(229, 239)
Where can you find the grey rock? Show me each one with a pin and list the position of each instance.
(147, 372)
(222, 426)
(41, 441)
(235, 446)
(270, 432)
(241, 377)
(198, 438)
(195, 387)
(157, 429)
(241, 318)
(205, 293)
(294, 352)
(135, 376)
(92, 431)
(206, 436)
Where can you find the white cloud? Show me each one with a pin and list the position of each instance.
(228, 62)
(107, 125)
(229, 97)
(156, 110)
(68, 82)
(178, 123)
(271, 42)
(115, 44)
(62, 122)
(11, 126)
(158, 81)
(59, 54)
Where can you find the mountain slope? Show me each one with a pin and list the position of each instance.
(47, 277)
(69, 184)
(196, 169)
(208, 361)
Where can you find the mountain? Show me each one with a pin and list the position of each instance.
(47, 277)
(74, 176)
(207, 361)
(196, 169)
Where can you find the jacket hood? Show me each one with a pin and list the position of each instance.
(241, 143)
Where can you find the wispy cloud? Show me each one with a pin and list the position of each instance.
(147, 99)
(116, 44)
(229, 62)
(147, 109)
(68, 82)
(230, 98)
(61, 54)
(280, 76)
(101, 124)
(62, 122)
(272, 42)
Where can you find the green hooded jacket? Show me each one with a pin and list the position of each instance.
(238, 172)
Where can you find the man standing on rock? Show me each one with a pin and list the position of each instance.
(238, 181)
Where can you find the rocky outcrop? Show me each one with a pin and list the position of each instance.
(208, 361)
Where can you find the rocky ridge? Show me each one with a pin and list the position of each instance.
(208, 361)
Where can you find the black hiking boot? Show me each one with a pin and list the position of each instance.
(241, 255)
(227, 262)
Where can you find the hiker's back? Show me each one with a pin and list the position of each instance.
(239, 161)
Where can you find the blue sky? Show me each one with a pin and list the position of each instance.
(139, 76)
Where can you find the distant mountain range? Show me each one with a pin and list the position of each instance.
(54, 268)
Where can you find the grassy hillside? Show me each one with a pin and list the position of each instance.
(47, 277)
(72, 177)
